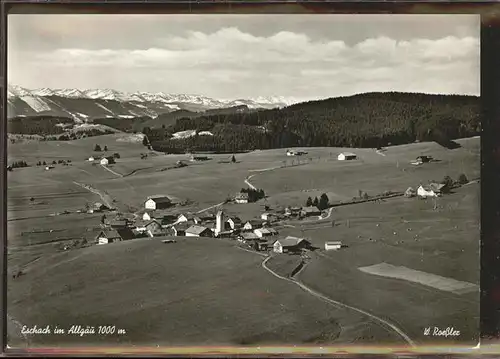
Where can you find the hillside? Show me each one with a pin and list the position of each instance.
(175, 294)
(364, 121)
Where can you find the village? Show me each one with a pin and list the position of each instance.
(159, 217)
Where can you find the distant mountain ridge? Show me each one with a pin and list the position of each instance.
(82, 105)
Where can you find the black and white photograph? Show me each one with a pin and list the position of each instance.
(243, 180)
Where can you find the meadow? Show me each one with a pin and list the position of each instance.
(172, 294)
(174, 286)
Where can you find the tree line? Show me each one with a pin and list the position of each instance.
(365, 121)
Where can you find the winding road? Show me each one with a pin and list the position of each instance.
(337, 304)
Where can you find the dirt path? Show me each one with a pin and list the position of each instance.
(110, 170)
(337, 304)
(104, 197)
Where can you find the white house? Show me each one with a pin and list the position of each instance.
(423, 192)
(346, 156)
(241, 198)
(104, 162)
(187, 218)
(91, 159)
(333, 245)
(265, 232)
(157, 202)
(146, 216)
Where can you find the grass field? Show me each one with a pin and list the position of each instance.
(167, 289)
(179, 292)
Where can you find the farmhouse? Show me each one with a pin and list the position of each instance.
(424, 159)
(118, 223)
(146, 216)
(189, 218)
(439, 188)
(260, 246)
(290, 244)
(265, 232)
(234, 222)
(126, 233)
(104, 161)
(310, 211)
(268, 217)
(410, 192)
(346, 156)
(292, 211)
(241, 198)
(91, 159)
(154, 228)
(198, 231)
(157, 202)
(110, 236)
(295, 153)
(247, 237)
(333, 245)
(199, 158)
(179, 230)
(99, 207)
(47, 168)
(253, 224)
(426, 192)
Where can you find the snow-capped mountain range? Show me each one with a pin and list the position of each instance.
(95, 103)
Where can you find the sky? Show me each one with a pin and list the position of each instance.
(246, 56)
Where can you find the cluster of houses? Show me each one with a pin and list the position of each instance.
(431, 190)
(156, 221)
(295, 153)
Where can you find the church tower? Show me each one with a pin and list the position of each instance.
(219, 222)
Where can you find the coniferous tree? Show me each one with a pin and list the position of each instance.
(315, 202)
(309, 202)
(324, 202)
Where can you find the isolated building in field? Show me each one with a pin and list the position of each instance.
(265, 232)
(198, 231)
(424, 159)
(104, 161)
(290, 244)
(241, 197)
(310, 211)
(91, 159)
(425, 192)
(108, 236)
(344, 156)
(157, 202)
(333, 245)
(253, 224)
